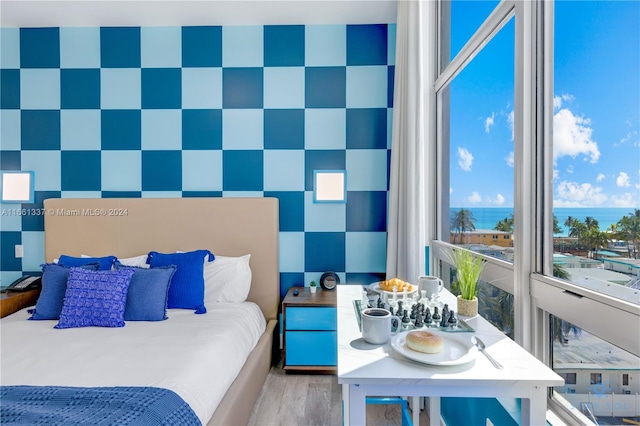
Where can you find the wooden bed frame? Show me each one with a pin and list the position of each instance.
(128, 227)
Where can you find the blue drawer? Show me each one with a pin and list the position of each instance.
(307, 318)
(311, 348)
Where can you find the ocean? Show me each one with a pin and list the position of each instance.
(487, 217)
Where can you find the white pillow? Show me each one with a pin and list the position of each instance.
(227, 279)
(139, 261)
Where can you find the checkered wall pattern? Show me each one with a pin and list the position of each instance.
(206, 111)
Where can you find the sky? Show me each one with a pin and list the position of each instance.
(596, 141)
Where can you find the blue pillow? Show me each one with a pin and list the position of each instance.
(54, 285)
(95, 298)
(105, 262)
(148, 293)
(187, 285)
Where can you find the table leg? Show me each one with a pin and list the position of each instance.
(534, 409)
(434, 410)
(345, 405)
(357, 406)
(415, 410)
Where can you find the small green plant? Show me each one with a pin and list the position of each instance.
(313, 284)
(469, 268)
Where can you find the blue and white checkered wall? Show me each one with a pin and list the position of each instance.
(206, 111)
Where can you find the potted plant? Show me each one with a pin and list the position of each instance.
(469, 268)
(313, 286)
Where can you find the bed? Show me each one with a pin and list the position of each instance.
(159, 354)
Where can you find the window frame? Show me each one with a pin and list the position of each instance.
(537, 294)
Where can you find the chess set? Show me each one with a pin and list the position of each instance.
(422, 314)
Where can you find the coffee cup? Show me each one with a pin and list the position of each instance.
(430, 284)
(378, 325)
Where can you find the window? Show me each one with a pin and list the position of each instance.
(569, 378)
(572, 191)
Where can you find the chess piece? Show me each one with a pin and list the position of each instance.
(452, 319)
(427, 317)
(443, 321)
(406, 322)
(436, 316)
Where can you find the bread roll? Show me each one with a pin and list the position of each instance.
(388, 285)
(424, 341)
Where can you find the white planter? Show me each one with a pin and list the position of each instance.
(313, 288)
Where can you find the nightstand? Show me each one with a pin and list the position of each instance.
(309, 324)
(11, 302)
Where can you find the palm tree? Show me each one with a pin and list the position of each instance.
(505, 225)
(591, 223)
(556, 225)
(595, 238)
(630, 227)
(577, 228)
(462, 221)
(568, 223)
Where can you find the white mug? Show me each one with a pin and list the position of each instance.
(378, 325)
(432, 285)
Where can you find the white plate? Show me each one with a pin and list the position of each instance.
(375, 287)
(458, 349)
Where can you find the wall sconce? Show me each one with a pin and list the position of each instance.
(329, 186)
(16, 187)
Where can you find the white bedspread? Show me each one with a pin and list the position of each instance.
(196, 356)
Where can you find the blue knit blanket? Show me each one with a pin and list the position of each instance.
(59, 405)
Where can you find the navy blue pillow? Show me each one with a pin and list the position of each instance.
(105, 262)
(187, 285)
(54, 286)
(95, 298)
(148, 293)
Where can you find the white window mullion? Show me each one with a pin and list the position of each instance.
(525, 178)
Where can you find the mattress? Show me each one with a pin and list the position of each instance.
(196, 356)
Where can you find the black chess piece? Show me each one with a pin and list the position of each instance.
(419, 323)
(427, 317)
(379, 303)
(443, 321)
(391, 309)
(452, 319)
(436, 316)
(405, 319)
(445, 310)
(399, 307)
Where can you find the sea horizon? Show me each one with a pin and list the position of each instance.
(488, 217)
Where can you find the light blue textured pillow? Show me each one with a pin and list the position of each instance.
(148, 293)
(187, 285)
(95, 298)
(105, 262)
(54, 285)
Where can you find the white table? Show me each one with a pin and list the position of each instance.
(367, 370)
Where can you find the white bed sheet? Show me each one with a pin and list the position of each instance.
(196, 356)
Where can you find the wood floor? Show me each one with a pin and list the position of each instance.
(296, 399)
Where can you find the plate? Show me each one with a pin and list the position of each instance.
(458, 349)
(375, 287)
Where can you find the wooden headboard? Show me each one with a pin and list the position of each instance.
(127, 227)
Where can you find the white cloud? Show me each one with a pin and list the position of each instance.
(474, 198)
(498, 201)
(510, 119)
(465, 159)
(572, 136)
(558, 100)
(600, 177)
(509, 159)
(630, 137)
(622, 180)
(624, 200)
(573, 194)
(570, 169)
(450, 190)
(488, 122)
